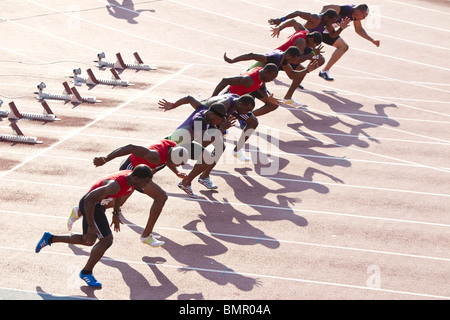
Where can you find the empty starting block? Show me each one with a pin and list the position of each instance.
(69, 94)
(47, 115)
(3, 113)
(93, 80)
(120, 64)
(18, 135)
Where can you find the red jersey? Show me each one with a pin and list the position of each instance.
(291, 39)
(257, 83)
(121, 178)
(163, 150)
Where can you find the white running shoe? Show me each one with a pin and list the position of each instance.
(292, 103)
(188, 190)
(74, 216)
(152, 242)
(240, 155)
(207, 183)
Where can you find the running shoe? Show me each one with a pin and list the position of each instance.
(240, 155)
(292, 103)
(152, 241)
(74, 216)
(207, 183)
(90, 280)
(325, 75)
(44, 241)
(188, 190)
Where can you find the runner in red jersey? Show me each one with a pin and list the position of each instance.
(95, 223)
(289, 61)
(242, 89)
(156, 156)
(252, 82)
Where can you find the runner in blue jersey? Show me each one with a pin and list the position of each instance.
(202, 127)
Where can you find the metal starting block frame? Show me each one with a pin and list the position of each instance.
(3, 113)
(93, 80)
(18, 135)
(120, 64)
(47, 115)
(69, 94)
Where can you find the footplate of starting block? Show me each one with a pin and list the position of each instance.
(69, 94)
(93, 80)
(18, 136)
(47, 115)
(121, 64)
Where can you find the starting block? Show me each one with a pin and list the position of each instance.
(3, 113)
(120, 64)
(93, 80)
(18, 135)
(69, 94)
(47, 115)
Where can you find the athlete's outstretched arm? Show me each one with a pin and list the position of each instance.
(362, 32)
(167, 105)
(304, 15)
(245, 81)
(245, 57)
(139, 151)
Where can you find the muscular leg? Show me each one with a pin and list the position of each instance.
(250, 126)
(297, 78)
(341, 47)
(159, 197)
(197, 152)
(97, 251)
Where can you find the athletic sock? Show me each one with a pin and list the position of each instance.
(86, 272)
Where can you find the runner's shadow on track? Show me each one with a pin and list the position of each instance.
(251, 190)
(306, 149)
(48, 296)
(125, 11)
(352, 109)
(140, 288)
(226, 223)
(197, 257)
(248, 190)
(315, 122)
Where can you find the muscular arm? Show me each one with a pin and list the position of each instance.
(290, 23)
(304, 15)
(361, 32)
(246, 57)
(166, 105)
(335, 7)
(245, 81)
(151, 156)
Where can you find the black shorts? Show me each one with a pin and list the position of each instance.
(101, 222)
(329, 40)
(194, 149)
(126, 165)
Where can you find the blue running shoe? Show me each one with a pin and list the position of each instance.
(44, 241)
(90, 280)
